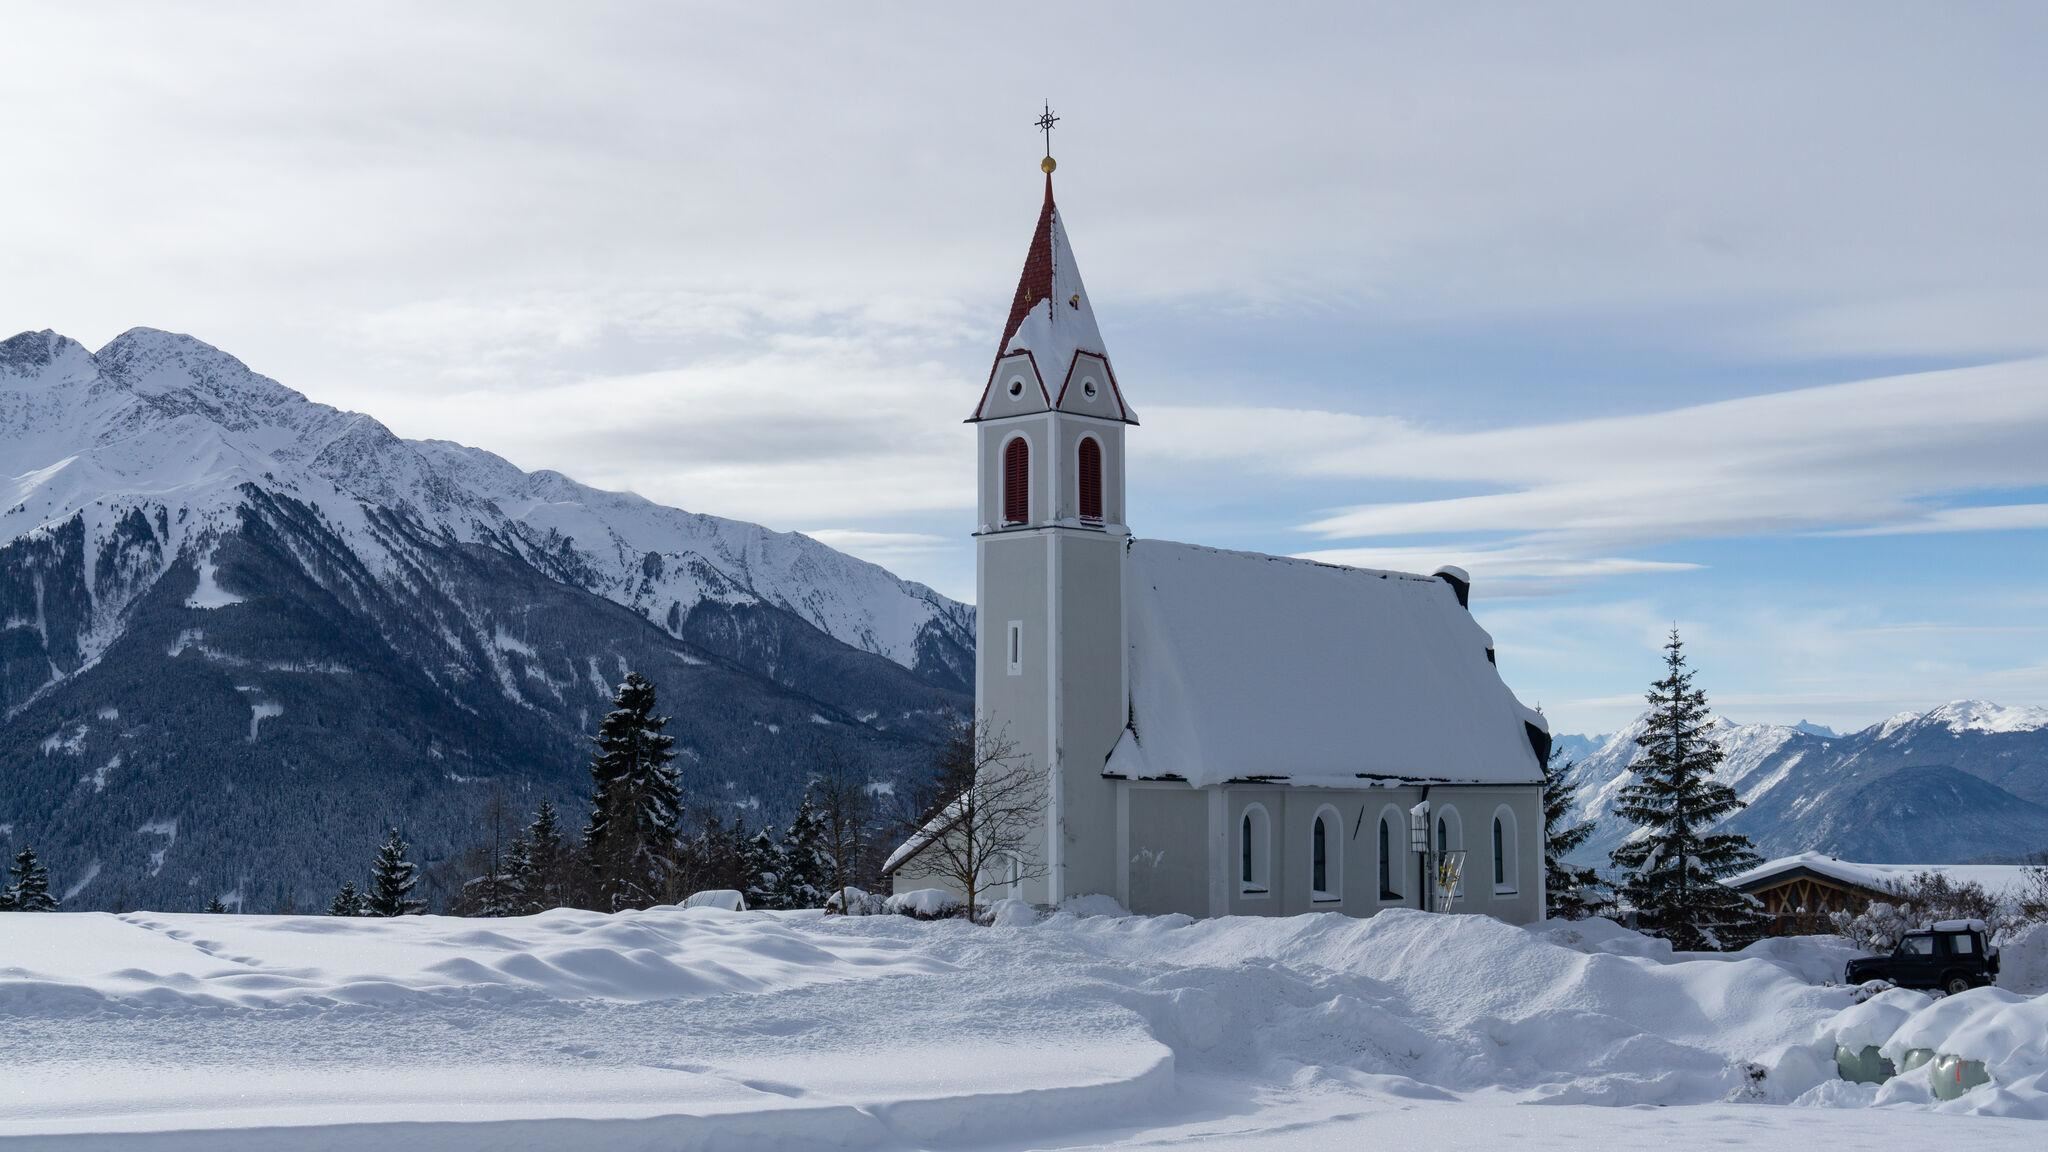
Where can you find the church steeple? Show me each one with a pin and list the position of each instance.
(1051, 355)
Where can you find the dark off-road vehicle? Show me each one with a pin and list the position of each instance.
(1952, 955)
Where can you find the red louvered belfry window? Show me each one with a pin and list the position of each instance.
(1091, 479)
(1017, 482)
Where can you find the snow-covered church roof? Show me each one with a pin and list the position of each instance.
(1243, 665)
(1052, 321)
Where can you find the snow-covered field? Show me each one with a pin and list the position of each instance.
(703, 1028)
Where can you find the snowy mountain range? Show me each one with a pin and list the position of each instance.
(1965, 782)
(265, 627)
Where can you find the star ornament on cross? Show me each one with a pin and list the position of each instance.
(1045, 123)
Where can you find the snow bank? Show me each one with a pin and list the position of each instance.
(923, 903)
(2023, 961)
(689, 1027)
(729, 899)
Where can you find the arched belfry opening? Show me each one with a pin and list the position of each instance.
(1089, 466)
(1017, 482)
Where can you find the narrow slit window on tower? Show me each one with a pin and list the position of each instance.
(1016, 649)
(1017, 482)
(1091, 479)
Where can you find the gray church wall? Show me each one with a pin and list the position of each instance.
(1093, 713)
(1289, 815)
(1013, 575)
(1168, 847)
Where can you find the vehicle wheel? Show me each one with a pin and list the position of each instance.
(1957, 984)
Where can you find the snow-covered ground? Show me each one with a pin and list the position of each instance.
(703, 1028)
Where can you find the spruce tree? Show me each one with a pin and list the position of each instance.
(547, 882)
(30, 891)
(635, 808)
(762, 872)
(806, 871)
(215, 907)
(392, 879)
(1675, 864)
(519, 878)
(1572, 893)
(348, 902)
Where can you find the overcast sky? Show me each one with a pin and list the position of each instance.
(1731, 320)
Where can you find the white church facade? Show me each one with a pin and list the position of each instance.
(1223, 733)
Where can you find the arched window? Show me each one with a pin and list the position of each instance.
(1326, 856)
(1393, 842)
(1090, 468)
(1450, 837)
(1017, 482)
(1504, 856)
(1255, 851)
(1387, 862)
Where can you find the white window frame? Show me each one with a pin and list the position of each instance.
(1333, 857)
(1015, 638)
(1396, 823)
(1260, 886)
(1506, 875)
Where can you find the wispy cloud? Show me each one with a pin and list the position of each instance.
(1880, 456)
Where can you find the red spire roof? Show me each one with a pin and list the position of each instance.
(1036, 283)
(1052, 321)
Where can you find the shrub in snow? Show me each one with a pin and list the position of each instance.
(924, 904)
(1094, 904)
(851, 901)
(1009, 914)
(1922, 899)
(727, 898)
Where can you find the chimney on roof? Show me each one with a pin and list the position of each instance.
(1460, 583)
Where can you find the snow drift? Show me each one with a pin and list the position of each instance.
(690, 1027)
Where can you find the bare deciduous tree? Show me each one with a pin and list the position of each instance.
(990, 833)
(847, 804)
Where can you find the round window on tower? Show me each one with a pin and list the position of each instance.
(1016, 388)
(1088, 388)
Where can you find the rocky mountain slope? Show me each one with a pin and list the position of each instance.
(1964, 782)
(240, 632)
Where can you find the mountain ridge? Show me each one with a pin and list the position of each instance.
(1970, 776)
(242, 632)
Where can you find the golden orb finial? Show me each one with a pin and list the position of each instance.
(1047, 165)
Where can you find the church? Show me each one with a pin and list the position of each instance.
(1222, 733)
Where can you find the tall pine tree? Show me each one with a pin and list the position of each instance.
(392, 879)
(30, 890)
(1573, 893)
(635, 807)
(1675, 863)
(806, 870)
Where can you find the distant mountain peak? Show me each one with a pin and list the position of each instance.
(163, 420)
(1900, 790)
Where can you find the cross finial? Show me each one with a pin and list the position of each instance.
(1045, 123)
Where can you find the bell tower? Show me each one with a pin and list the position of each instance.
(1049, 553)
